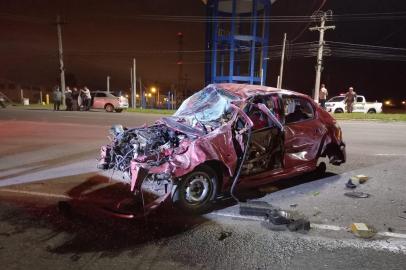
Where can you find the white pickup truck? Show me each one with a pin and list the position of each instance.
(336, 105)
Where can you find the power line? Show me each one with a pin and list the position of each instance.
(242, 19)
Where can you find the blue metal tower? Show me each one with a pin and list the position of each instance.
(237, 41)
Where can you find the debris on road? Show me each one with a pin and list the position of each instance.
(357, 194)
(316, 213)
(350, 184)
(360, 178)
(279, 217)
(275, 218)
(362, 230)
(255, 208)
(402, 217)
(293, 205)
(299, 225)
(224, 235)
(316, 193)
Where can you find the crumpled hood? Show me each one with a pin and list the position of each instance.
(173, 123)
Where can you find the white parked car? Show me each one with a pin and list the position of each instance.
(336, 105)
(108, 101)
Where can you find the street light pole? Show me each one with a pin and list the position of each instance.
(108, 84)
(282, 62)
(134, 86)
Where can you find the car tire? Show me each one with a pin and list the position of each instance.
(196, 191)
(339, 110)
(109, 108)
(119, 110)
(371, 111)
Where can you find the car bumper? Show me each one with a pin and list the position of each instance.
(122, 106)
(339, 155)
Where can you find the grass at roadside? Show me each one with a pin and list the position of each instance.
(50, 107)
(155, 111)
(369, 116)
(33, 106)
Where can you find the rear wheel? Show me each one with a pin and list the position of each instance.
(109, 108)
(371, 111)
(339, 110)
(197, 190)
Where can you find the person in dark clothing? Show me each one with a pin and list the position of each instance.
(68, 99)
(349, 99)
(75, 96)
(57, 98)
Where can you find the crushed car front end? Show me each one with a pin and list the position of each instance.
(170, 158)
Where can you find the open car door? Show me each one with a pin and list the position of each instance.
(265, 152)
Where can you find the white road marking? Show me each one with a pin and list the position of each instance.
(391, 155)
(312, 225)
(34, 193)
(81, 167)
(236, 216)
(327, 227)
(393, 235)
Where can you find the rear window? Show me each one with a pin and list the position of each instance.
(297, 109)
(100, 95)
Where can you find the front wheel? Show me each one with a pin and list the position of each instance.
(197, 190)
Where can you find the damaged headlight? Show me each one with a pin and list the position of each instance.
(116, 130)
(338, 132)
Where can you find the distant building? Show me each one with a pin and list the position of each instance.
(237, 40)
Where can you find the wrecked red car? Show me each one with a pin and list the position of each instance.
(223, 137)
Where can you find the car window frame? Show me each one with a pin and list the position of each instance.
(301, 121)
(343, 98)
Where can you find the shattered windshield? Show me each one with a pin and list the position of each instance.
(207, 105)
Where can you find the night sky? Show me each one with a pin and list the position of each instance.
(101, 37)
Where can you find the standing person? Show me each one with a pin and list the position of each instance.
(68, 98)
(57, 98)
(86, 98)
(349, 99)
(323, 95)
(75, 96)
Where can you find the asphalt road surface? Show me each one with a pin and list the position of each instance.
(47, 157)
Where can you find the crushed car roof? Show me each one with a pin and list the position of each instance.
(246, 90)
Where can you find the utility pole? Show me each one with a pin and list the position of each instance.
(61, 66)
(179, 88)
(134, 86)
(319, 65)
(108, 84)
(280, 78)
